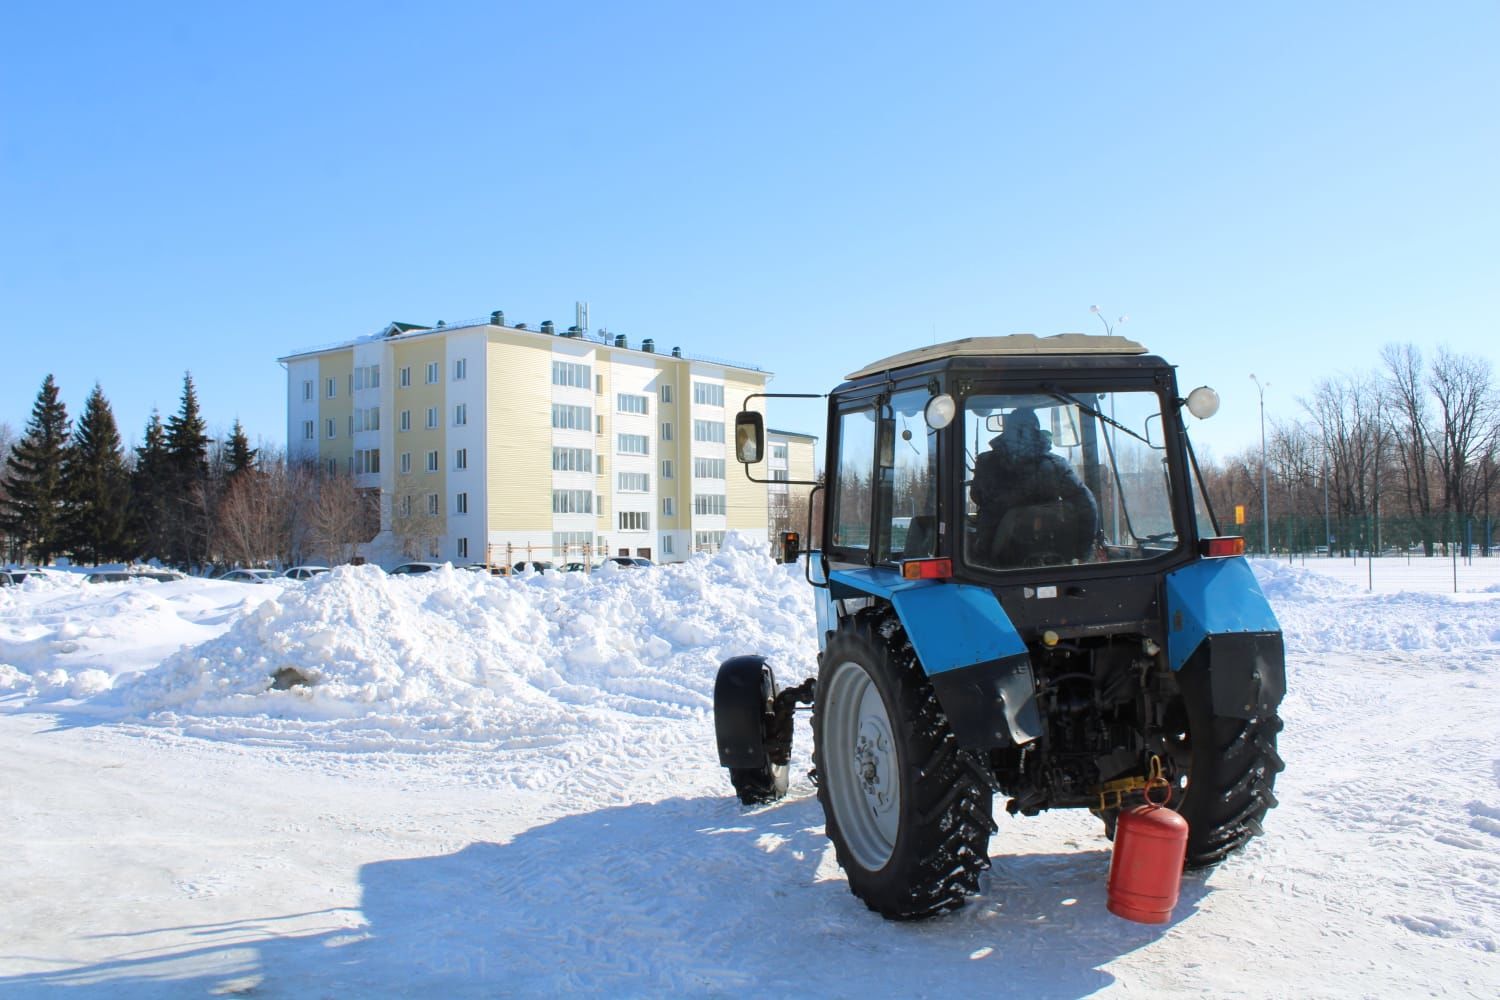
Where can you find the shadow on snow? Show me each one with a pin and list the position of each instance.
(687, 896)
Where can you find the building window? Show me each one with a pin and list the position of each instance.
(406, 420)
(331, 388)
(708, 468)
(668, 507)
(570, 373)
(565, 543)
(571, 418)
(463, 548)
(365, 377)
(599, 427)
(708, 394)
(666, 393)
(666, 545)
(333, 428)
(461, 503)
(632, 444)
(432, 372)
(308, 431)
(666, 468)
(406, 463)
(572, 460)
(666, 432)
(572, 501)
(635, 520)
(634, 482)
(598, 385)
(460, 369)
(779, 475)
(307, 389)
(708, 503)
(431, 417)
(364, 419)
(707, 541)
(461, 415)
(366, 461)
(333, 466)
(432, 461)
(432, 504)
(708, 430)
(461, 458)
(778, 452)
(405, 378)
(627, 402)
(406, 505)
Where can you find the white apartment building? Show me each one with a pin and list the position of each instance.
(494, 443)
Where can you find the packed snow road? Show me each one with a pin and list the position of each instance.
(509, 787)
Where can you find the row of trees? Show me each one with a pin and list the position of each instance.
(1406, 454)
(179, 498)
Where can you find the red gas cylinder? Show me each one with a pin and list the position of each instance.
(1145, 872)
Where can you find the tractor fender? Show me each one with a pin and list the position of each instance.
(973, 656)
(1219, 620)
(743, 694)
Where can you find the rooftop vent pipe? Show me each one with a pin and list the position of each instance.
(547, 326)
(620, 340)
(649, 346)
(676, 352)
(497, 318)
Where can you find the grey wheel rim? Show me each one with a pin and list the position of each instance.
(864, 770)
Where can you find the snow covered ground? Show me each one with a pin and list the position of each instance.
(509, 787)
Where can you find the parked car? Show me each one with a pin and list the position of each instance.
(249, 576)
(631, 562)
(304, 572)
(575, 567)
(413, 568)
(18, 576)
(126, 575)
(524, 565)
(482, 568)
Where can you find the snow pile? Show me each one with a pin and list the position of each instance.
(1284, 583)
(476, 657)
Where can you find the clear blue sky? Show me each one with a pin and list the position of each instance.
(1277, 188)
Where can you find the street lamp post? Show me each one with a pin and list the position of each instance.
(1265, 498)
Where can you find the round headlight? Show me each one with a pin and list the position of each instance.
(1203, 402)
(939, 411)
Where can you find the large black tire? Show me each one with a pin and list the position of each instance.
(1224, 771)
(908, 814)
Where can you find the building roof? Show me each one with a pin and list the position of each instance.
(792, 434)
(394, 330)
(1015, 344)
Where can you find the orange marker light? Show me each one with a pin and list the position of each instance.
(927, 569)
(1213, 548)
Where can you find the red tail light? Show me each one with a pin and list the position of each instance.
(1231, 545)
(927, 569)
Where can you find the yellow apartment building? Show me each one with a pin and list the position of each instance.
(495, 443)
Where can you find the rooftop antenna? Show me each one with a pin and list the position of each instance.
(581, 317)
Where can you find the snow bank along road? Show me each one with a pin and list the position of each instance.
(509, 787)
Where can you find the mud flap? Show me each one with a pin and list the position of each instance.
(1246, 673)
(990, 704)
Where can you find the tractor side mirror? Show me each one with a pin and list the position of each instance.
(749, 437)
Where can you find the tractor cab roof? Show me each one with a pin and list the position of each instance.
(1016, 345)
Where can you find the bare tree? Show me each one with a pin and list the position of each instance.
(1407, 404)
(414, 523)
(252, 516)
(1348, 415)
(338, 519)
(1464, 390)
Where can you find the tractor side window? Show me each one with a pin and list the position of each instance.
(854, 482)
(909, 472)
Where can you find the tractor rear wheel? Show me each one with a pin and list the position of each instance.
(908, 814)
(1223, 771)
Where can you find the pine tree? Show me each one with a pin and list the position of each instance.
(32, 508)
(96, 486)
(187, 461)
(241, 456)
(150, 486)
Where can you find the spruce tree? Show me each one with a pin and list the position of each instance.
(32, 508)
(150, 487)
(241, 456)
(96, 486)
(187, 460)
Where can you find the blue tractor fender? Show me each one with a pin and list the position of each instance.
(973, 656)
(1219, 620)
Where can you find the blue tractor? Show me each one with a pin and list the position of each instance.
(1020, 588)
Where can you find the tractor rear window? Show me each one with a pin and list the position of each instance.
(1055, 479)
